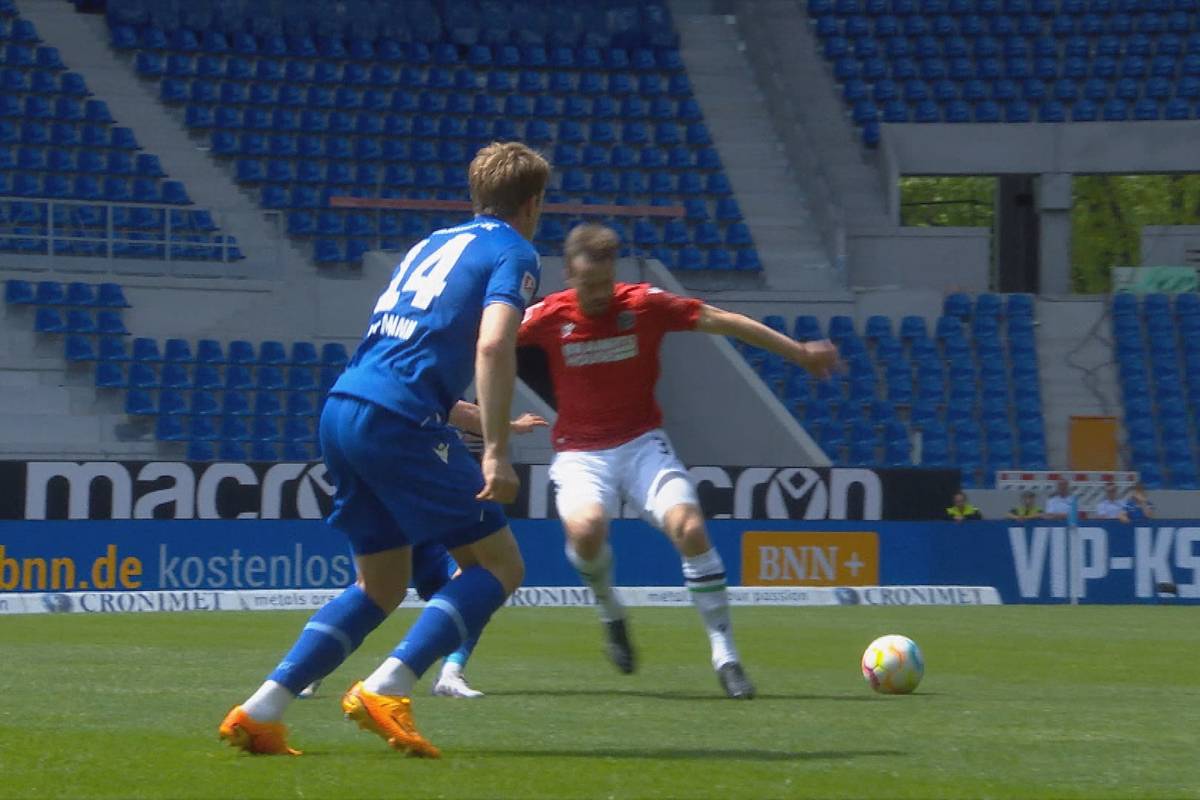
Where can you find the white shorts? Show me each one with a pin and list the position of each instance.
(643, 471)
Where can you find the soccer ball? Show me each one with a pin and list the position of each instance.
(893, 665)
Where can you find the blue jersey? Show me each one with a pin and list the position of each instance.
(418, 356)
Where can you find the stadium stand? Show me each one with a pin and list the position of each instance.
(217, 398)
(1013, 61)
(1157, 349)
(72, 182)
(969, 388)
(391, 100)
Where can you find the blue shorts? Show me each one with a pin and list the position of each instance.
(400, 484)
(432, 568)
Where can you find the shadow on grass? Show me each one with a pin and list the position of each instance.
(690, 754)
(631, 754)
(689, 696)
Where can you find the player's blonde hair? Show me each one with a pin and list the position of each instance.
(597, 243)
(504, 175)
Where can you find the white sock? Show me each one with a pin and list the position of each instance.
(597, 574)
(704, 577)
(451, 669)
(269, 702)
(393, 678)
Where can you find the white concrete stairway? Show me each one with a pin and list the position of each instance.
(854, 178)
(82, 39)
(774, 207)
(1075, 359)
(52, 410)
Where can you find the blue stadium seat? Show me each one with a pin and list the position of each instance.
(1145, 109)
(1115, 110)
(270, 379)
(236, 403)
(299, 404)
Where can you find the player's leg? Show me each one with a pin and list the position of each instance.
(671, 503)
(339, 627)
(440, 483)
(433, 568)
(704, 577)
(586, 498)
(454, 614)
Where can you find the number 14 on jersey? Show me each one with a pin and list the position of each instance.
(426, 280)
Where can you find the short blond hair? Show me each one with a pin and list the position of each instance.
(504, 175)
(596, 243)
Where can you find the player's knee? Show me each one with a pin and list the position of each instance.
(514, 575)
(587, 530)
(588, 540)
(386, 595)
(509, 571)
(685, 526)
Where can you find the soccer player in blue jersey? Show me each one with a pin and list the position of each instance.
(403, 476)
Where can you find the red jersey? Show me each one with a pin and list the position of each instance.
(604, 368)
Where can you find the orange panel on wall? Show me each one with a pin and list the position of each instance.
(1092, 443)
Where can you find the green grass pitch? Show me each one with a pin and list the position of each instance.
(1020, 702)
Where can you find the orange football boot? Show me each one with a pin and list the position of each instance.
(390, 718)
(260, 738)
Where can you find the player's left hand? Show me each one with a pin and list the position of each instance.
(526, 423)
(500, 481)
(821, 358)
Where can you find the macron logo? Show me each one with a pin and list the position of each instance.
(443, 452)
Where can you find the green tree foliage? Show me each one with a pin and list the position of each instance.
(954, 202)
(1108, 216)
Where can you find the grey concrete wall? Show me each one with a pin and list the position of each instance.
(944, 259)
(1171, 245)
(1097, 147)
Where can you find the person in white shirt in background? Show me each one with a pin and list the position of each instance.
(1059, 504)
(1111, 507)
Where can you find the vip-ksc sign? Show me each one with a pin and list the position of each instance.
(1101, 559)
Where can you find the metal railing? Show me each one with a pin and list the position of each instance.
(156, 228)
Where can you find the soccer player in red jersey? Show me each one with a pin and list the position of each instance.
(601, 339)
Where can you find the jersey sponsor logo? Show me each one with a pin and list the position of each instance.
(528, 286)
(393, 327)
(600, 351)
(173, 490)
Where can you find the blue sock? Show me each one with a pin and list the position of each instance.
(462, 654)
(331, 635)
(455, 616)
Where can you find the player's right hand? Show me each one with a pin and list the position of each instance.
(500, 482)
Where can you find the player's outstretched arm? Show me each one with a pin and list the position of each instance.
(820, 358)
(465, 417)
(495, 377)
